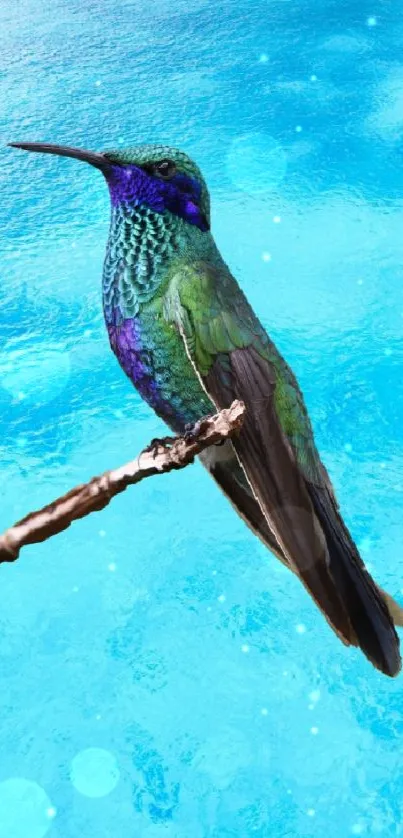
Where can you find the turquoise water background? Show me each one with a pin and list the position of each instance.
(161, 675)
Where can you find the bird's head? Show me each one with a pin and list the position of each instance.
(161, 178)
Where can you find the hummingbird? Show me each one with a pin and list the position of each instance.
(185, 334)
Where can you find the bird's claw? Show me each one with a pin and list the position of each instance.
(190, 432)
(159, 442)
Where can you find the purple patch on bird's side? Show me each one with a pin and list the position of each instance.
(126, 341)
(136, 359)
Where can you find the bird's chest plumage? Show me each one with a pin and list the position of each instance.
(150, 350)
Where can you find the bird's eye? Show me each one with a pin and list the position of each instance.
(164, 168)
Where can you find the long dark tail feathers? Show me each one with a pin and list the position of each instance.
(371, 612)
(269, 491)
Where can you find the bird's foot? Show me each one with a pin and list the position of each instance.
(158, 443)
(192, 431)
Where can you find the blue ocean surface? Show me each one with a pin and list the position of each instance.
(161, 674)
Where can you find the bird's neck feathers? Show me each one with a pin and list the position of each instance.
(144, 247)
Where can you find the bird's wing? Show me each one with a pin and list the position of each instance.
(223, 466)
(234, 358)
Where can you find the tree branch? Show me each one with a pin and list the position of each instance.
(161, 456)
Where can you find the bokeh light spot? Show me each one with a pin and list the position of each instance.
(24, 809)
(94, 772)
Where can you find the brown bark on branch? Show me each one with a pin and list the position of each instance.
(160, 457)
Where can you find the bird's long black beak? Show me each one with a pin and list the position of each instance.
(94, 158)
